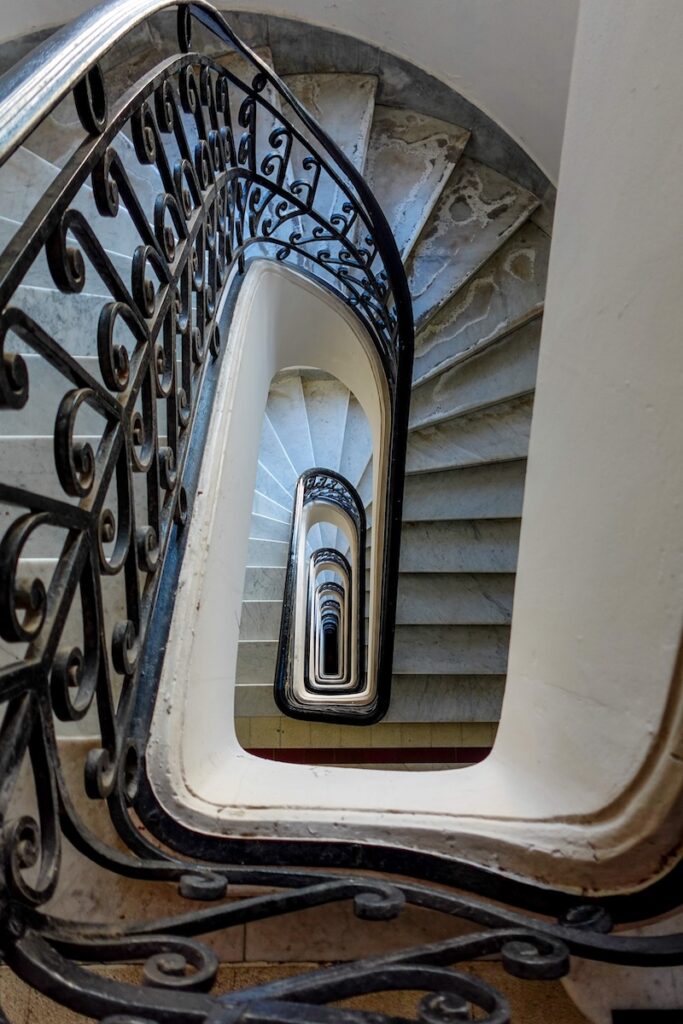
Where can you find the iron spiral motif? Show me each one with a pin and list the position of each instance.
(181, 163)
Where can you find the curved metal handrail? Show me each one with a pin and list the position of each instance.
(41, 80)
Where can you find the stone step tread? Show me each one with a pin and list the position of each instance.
(507, 289)
(507, 368)
(493, 434)
(494, 490)
(343, 104)
(410, 158)
(478, 210)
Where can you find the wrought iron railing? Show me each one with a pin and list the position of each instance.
(322, 495)
(178, 164)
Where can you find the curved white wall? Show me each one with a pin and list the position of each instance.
(511, 58)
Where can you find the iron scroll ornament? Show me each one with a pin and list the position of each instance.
(178, 158)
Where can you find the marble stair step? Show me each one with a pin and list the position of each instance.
(29, 463)
(477, 492)
(25, 178)
(453, 599)
(343, 105)
(274, 456)
(451, 649)
(508, 368)
(267, 552)
(410, 158)
(414, 698)
(476, 213)
(260, 621)
(507, 289)
(46, 389)
(288, 415)
(268, 485)
(38, 275)
(327, 402)
(357, 442)
(264, 528)
(264, 583)
(460, 546)
(493, 434)
(265, 506)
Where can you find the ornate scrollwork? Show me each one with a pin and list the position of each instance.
(189, 175)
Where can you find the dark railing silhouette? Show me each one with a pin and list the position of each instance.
(158, 201)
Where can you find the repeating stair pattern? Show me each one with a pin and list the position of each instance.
(475, 246)
(476, 253)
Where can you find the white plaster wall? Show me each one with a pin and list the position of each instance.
(511, 58)
(599, 591)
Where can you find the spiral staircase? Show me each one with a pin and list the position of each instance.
(475, 245)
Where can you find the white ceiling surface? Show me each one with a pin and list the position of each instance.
(512, 58)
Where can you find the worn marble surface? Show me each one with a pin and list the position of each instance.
(265, 506)
(263, 583)
(356, 443)
(265, 528)
(479, 492)
(260, 621)
(498, 372)
(24, 179)
(270, 486)
(343, 104)
(508, 289)
(452, 599)
(436, 649)
(500, 432)
(476, 212)
(267, 552)
(469, 546)
(410, 157)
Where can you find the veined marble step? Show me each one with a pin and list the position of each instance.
(460, 546)
(493, 434)
(490, 491)
(327, 402)
(434, 650)
(462, 650)
(47, 387)
(25, 178)
(271, 553)
(274, 456)
(414, 698)
(287, 412)
(264, 506)
(410, 158)
(476, 213)
(270, 486)
(29, 463)
(508, 368)
(38, 275)
(357, 442)
(501, 294)
(264, 528)
(343, 105)
(260, 621)
(455, 599)
(263, 583)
